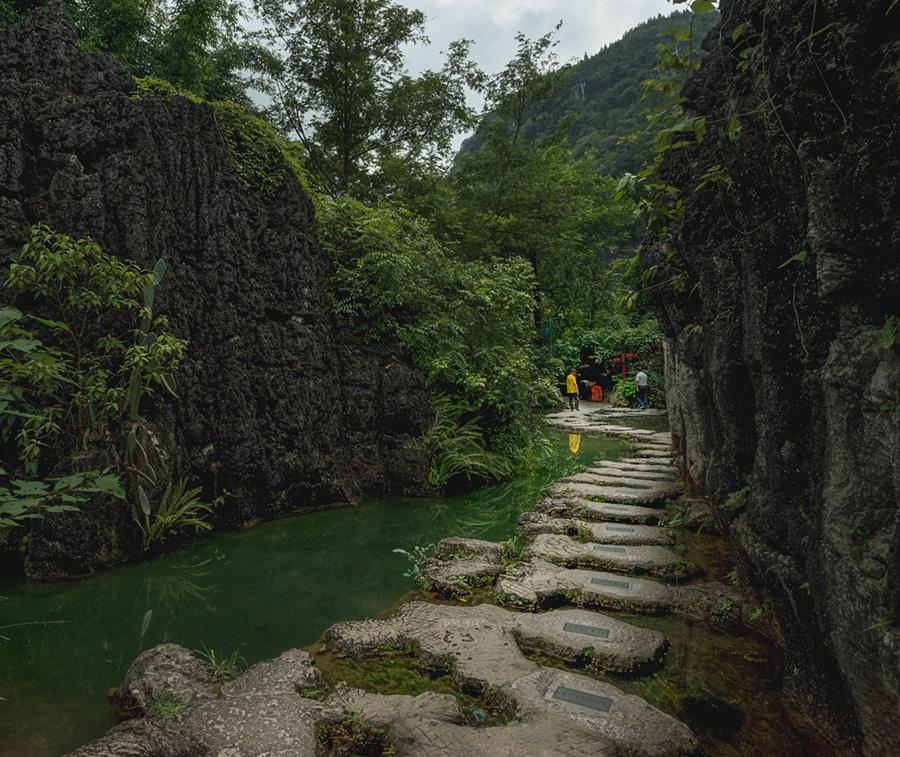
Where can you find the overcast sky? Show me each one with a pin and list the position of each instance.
(588, 25)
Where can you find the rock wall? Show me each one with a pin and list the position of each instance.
(280, 404)
(784, 403)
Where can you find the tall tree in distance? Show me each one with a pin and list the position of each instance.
(337, 77)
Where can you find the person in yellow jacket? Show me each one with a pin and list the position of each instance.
(572, 390)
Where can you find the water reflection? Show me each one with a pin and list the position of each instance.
(574, 443)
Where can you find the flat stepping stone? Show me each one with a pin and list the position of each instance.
(619, 478)
(586, 509)
(658, 462)
(620, 494)
(632, 724)
(655, 561)
(458, 578)
(644, 472)
(457, 547)
(533, 523)
(478, 640)
(644, 451)
(537, 582)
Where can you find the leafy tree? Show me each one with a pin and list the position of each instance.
(336, 73)
(197, 45)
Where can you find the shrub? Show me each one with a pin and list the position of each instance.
(468, 326)
(73, 371)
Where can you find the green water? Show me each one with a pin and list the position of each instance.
(263, 590)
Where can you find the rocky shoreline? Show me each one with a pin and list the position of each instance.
(575, 550)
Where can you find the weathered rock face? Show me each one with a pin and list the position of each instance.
(785, 388)
(280, 405)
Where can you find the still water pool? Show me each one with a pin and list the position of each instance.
(261, 591)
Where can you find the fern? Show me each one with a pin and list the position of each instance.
(457, 448)
(180, 509)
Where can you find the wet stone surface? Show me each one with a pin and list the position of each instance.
(655, 561)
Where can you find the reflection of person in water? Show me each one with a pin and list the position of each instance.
(574, 443)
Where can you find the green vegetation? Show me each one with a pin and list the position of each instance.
(336, 73)
(74, 371)
(197, 45)
(167, 707)
(467, 325)
(180, 510)
(601, 98)
(222, 668)
(390, 671)
(351, 735)
(416, 559)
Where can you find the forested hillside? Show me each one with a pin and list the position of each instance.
(603, 95)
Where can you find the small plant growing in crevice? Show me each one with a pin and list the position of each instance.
(351, 735)
(222, 668)
(416, 559)
(167, 707)
(180, 510)
(724, 613)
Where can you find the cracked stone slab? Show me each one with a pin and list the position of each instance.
(477, 639)
(532, 523)
(578, 507)
(633, 724)
(620, 478)
(537, 582)
(655, 561)
(615, 494)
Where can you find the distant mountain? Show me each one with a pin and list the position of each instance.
(604, 94)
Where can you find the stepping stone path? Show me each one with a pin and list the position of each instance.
(596, 541)
(658, 562)
(533, 523)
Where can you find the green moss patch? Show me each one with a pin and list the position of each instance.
(394, 672)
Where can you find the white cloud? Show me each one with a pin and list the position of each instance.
(588, 25)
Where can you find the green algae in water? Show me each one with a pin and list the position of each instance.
(260, 591)
(727, 688)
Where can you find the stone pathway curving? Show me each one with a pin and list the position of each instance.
(596, 541)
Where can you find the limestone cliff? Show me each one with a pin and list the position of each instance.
(280, 404)
(785, 403)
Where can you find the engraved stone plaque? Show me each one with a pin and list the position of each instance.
(621, 529)
(604, 548)
(609, 582)
(583, 699)
(600, 633)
